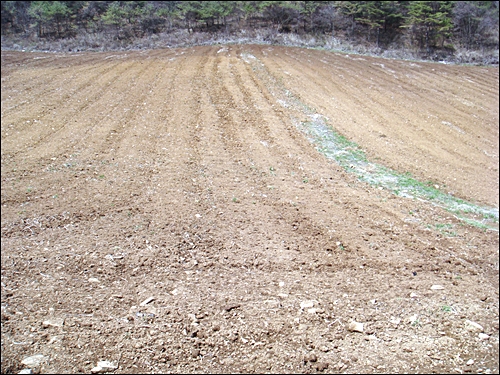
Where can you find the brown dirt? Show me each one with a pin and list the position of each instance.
(176, 174)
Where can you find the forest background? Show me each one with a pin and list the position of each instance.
(447, 31)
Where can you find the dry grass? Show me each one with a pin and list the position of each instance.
(182, 38)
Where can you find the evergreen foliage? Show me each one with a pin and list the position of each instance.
(422, 25)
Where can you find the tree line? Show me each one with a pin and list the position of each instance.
(425, 25)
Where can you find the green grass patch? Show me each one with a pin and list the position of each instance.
(352, 158)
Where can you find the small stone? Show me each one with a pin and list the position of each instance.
(306, 304)
(106, 366)
(195, 353)
(310, 357)
(470, 362)
(413, 295)
(34, 360)
(483, 336)
(355, 327)
(26, 371)
(395, 320)
(437, 287)
(231, 307)
(473, 326)
(321, 366)
(53, 323)
(146, 301)
(93, 280)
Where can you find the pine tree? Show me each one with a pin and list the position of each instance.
(429, 21)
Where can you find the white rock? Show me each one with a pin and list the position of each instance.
(146, 301)
(53, 323)
(34, 360)
(26, 371)
(470, 362)
(108, 366)
(104, 366)
(437, 287)
(413, 318)
(395, 320)
(355, 327)
(473, 326)
(413, 295)
(306, 304)
(93, 280)
(281, 284)
(484, 336)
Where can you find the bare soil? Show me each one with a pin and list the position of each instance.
(162, 211)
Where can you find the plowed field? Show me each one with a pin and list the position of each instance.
(237, 208)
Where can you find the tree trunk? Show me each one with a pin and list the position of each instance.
(427, 40)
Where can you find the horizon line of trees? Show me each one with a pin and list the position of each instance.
(424, 24)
